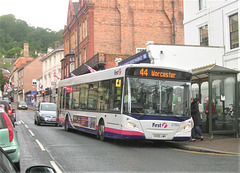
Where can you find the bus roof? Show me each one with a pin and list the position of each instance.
(111, 73)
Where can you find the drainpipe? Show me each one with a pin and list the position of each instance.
(77, 46)
(69, 38)
(173, 21)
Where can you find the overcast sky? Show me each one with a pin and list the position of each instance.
(50, 14)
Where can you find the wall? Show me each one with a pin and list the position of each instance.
(186, 57)
(216, 16)
(122, 26)
(32, 71)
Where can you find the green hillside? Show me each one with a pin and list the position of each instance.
(15, 32)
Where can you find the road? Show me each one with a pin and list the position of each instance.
(76, 152)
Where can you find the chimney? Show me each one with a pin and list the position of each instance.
(57, 44)
(49, 50)
(25, 50)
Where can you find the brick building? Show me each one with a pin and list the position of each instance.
(18, 63)
(27, 80)
(97, 29)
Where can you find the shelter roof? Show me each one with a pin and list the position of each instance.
(201, 74)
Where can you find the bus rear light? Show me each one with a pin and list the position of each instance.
(9, 111)
(9, 126)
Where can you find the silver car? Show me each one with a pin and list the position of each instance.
(45, 114)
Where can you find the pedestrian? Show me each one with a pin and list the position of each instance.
(207, 113)
(196, 119)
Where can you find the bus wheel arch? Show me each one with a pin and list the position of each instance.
(101, 130)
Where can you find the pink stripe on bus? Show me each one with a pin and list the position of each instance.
(124, 132)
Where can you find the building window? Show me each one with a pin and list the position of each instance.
(85, 55)
(80, 58)
(34, 82)
(72, 63)
(233, 22)
(202, 4)
(204, 36)
(85, 27)
(80, 33)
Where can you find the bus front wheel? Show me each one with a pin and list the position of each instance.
(101, 129)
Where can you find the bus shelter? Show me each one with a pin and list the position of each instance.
(219, 86)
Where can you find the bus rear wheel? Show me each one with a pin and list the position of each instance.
(66, 125)
(101, 130)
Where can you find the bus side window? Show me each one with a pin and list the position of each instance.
(75, 97)
(92, 96)
(103, 96)
(68, 99)
(116, 95)
(83, 96)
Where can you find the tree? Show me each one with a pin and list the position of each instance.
(12, 52)
(15, 32)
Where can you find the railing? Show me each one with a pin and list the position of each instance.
(96, 61)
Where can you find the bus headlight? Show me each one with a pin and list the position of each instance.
(188, 126)
(131, 124)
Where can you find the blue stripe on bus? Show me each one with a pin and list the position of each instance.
(92, 131)
(147, 117)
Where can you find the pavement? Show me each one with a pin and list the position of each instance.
(222, 144)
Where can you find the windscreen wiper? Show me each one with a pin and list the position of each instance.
(139, 117)
(180, 118)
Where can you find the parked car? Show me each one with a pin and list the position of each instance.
(9, 110)
(9, 141)
(45, 113)
(7, 100)
(6, 165)
(22, 105)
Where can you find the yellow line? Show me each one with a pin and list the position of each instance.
(197, 152)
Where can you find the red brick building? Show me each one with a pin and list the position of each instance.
(98, 28)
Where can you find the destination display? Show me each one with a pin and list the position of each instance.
(159, 73)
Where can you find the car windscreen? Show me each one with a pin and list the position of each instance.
(48, 107)
(5, 105)
(23, 103)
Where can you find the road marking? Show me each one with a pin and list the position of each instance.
(26, 126)
(31, 132)
(22, 121)
(198, 152)
(54, 165)
(40, 145)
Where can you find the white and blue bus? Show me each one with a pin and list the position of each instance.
(139, 101)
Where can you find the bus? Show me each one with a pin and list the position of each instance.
(136, 101)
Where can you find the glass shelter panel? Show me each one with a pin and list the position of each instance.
(223, 94)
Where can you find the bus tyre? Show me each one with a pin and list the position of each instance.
(38, 122)
(101, 129)
(66, 128)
